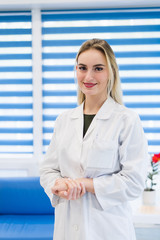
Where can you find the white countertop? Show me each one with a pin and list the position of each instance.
(146, 214)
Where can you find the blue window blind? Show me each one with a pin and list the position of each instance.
(16, 113)
(134, 35)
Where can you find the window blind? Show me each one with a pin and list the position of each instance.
(16, 113)
(134, 35)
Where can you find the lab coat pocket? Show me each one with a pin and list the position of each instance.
(101, 155)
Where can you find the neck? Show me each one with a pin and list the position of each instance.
(93, 104)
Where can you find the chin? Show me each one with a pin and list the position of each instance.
(90, 94)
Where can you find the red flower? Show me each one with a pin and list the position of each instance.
(156, 158)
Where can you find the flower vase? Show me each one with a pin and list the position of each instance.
(149, 197)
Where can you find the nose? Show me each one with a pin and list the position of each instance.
(89, 75)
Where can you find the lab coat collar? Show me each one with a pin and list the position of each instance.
(104, 112)
(107, 108)
(77, 115)
(77, 112)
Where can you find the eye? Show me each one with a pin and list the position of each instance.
(82, 68)
(98, 69)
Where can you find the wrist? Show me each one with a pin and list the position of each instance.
(88, 183)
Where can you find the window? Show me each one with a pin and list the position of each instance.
(16, 113)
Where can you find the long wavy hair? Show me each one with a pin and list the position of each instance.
(114, 85)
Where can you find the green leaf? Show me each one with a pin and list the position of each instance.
(155, 173)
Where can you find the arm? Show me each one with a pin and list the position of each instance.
(126, 185)
(49, 169)
(88, 183)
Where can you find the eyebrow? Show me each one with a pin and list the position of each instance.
(96, 65)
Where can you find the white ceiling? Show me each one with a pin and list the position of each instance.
(75, 4)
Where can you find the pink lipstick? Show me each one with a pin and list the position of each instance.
(89, 85)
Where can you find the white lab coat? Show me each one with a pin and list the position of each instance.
(113, 153)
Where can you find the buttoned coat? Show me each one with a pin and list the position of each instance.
(113, 153)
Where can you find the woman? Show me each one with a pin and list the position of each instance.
(97, 158)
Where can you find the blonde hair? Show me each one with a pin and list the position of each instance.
(114, 85)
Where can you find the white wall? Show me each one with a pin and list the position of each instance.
(75, 4)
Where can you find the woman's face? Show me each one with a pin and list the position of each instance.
(92, 73)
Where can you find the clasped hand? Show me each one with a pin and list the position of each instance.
(68, 188)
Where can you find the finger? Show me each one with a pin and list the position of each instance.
(76, 190)
(60, 181)
(83, 189)
(54, 190)
(79, 189)
(70, 194)
(63, 194)
(60, 186)
(71, 189)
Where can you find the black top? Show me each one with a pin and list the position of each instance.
(87, 121)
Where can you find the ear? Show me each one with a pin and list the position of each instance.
(76, 67)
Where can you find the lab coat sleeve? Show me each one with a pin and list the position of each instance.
(128, 183)
(49, 169)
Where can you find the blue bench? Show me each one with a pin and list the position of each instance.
(25, 210)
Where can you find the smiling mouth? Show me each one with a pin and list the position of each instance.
(89, 85)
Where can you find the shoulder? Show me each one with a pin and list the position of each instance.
(127, 115)
(66, 115)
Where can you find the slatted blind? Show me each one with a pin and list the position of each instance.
(16, 113)
(134, 35)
